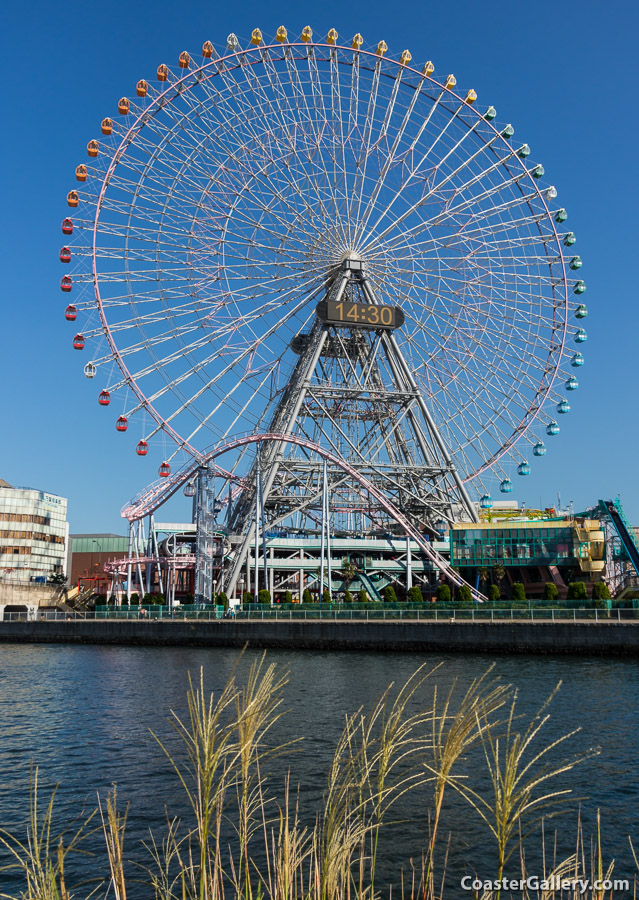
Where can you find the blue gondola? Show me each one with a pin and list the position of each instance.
(539, 449)
(577, 360)
(563, 407)
(523, 469)
(552, 428)
(506, 486)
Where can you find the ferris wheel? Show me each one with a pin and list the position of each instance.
(216, 204)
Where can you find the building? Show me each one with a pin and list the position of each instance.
(34, 534)
(87, 555)
(531, 551)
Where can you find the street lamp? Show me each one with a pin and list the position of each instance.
(99, 546)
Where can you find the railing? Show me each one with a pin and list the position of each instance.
(480, 616)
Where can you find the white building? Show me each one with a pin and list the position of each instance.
(34, 534)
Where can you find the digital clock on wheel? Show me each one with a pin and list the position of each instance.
(361, 315)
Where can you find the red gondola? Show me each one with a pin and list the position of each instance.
(107, 126)
(142, 448)
(185, 60)
(73, 198)
(65, 255)
(122, 424)
(141, 88)
(105, 398)
(163, 72)
(165, 470)
(70, 313)
(93, 148)
(81, 173)
(66, 284)
(67, 226)
(78, 342)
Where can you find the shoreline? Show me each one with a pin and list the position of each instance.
(544, 637)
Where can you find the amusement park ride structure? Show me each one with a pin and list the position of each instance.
(331, 272)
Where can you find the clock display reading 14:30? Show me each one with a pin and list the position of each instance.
(366, 315)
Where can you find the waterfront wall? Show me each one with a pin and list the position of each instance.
(616, 638)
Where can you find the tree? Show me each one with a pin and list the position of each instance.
(577, 590)
(307, 597)
(264, 596)
(326, 596)
(389, 594)
(348, 571)
(465, 594)
(362, 597)
(57, 578)
(288, 597)
(443, 593)
(484, 574)
(348, 597)
(247, 597)
(414, 595)
(135, 599)
(222, 600)
(499, 573)
(493, 594)
(551, 594)
(518, 593)
(600, 591)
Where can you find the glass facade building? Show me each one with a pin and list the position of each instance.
(520, 544)
(34, 534)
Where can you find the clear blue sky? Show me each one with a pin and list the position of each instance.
(562, 73)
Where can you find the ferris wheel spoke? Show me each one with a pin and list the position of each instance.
(361, 160)
(318, 129)
(414, 171)
(239, 358)
(292, 184)
(392, 154)
(335, 117)
(450, 211)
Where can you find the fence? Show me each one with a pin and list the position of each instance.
(335, 615)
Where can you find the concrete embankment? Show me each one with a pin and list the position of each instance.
(616, 638)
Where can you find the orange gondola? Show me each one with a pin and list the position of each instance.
(141, 88)
(73, 198)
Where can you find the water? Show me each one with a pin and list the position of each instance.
(84, 715)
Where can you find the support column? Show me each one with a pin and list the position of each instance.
(205, 493)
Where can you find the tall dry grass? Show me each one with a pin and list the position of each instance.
(248, 843)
